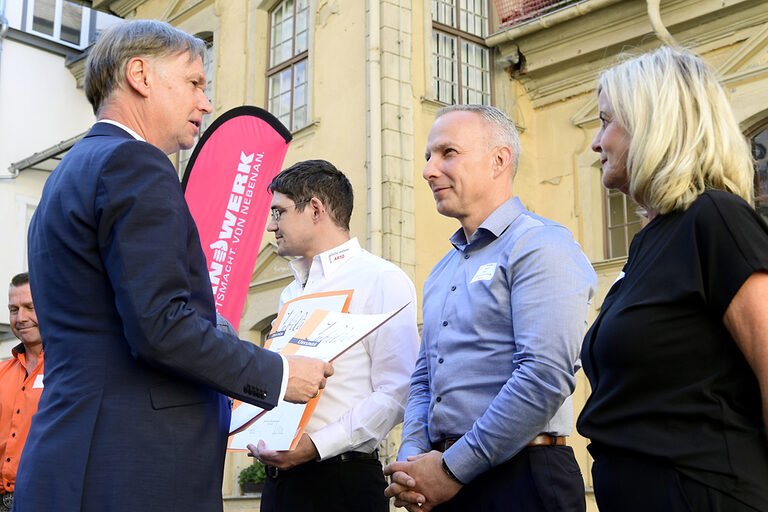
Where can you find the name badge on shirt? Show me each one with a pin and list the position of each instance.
(38, 382)
(484, 273)
(338, 255)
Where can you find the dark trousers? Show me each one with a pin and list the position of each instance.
(538, 478)
(627, 482)
(330, 486)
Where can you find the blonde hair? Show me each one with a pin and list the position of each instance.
(684, 135)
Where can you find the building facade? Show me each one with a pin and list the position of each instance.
(359, 82)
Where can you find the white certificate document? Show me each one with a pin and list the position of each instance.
(324, 335)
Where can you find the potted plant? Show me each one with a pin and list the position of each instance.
(251, 478)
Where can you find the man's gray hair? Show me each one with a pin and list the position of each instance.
(502, 124)
(105, 66)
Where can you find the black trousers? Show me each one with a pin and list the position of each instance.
(627, 482)
(329, 486)
(537, 479)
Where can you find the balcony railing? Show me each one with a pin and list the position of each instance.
(513, 12)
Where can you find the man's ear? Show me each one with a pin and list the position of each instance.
(502, 160)
(137, 75)
(318, 209)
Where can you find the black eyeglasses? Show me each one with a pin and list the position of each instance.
(277, 212)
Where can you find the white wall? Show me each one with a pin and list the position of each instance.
(39, 107)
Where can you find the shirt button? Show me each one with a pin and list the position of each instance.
(8, 459)
(466, 256)
(440, 360)
(445, 322)
(13, 435)
(453, 288)
(18, 411)
(23, 388)
(438, 399)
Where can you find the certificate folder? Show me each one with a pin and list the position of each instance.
(302, 328)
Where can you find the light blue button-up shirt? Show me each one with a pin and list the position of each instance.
(504, 317)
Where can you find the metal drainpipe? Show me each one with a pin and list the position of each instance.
(374, 122)
(658, 26)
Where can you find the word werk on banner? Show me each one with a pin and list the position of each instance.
(225, 185)
(233, 225)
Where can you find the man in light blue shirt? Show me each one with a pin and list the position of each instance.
(504, 315)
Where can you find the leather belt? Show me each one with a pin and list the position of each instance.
(547, 440)
(274, 472)
(539, 440)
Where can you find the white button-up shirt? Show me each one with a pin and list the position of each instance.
(366, 395)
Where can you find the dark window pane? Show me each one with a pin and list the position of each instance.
(42, 16)
(616, 209)
(618, 244)
(71, 21)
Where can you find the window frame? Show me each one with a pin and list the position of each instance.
(87, 22)
(627, 202)
(751, 135)
(459, 36)
(290, 63)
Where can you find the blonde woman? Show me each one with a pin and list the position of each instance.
(678, 358)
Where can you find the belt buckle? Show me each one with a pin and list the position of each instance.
(8, 500)
(272, 471)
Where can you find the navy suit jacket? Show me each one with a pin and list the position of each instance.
(132, 416)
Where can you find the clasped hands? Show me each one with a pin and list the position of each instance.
(419, 483)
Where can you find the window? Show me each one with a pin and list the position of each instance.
(26, 208)
(265, 330)
(287, 76)
(623, 219)
(461, 61)
(59, 20)
(760, 154)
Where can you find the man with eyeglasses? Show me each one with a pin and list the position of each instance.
(335, 465)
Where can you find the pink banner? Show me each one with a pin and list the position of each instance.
(225, 185)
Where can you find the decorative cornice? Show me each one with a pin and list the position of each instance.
(735, 64)
(587, 114)
(612, 264)
(76, 66)
(546, 21)
(122, 8)
(567, 59)
(267, 259)
(176, 10)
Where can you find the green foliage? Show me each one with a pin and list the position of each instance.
(253, 473)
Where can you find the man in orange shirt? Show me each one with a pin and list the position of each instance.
(21, 384)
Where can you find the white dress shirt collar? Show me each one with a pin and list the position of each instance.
(120, 125)
(325, 263)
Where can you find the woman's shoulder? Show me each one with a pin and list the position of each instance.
(719, 199)
(719, 206)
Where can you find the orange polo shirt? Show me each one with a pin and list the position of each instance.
(19, 395)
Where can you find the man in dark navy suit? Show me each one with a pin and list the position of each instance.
(134, 414)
